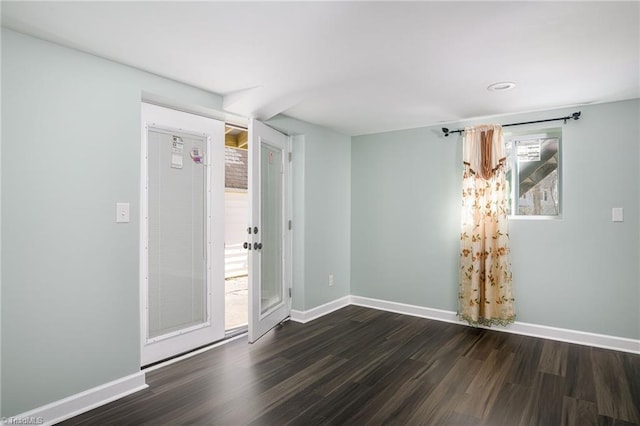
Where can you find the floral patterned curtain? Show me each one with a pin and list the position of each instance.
(485, 296)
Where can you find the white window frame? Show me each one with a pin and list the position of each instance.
(514, 138)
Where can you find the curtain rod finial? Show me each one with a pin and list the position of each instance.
(445, 131)
(576, 115)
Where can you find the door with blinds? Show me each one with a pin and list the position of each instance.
(182, 232)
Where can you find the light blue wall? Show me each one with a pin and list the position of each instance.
(322, 200)
(70, 150)
(579, 272)
(404, 217)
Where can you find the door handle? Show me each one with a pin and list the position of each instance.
(257, 246)
(246, 245)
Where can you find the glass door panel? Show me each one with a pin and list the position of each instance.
(271, 274)
(177, 244)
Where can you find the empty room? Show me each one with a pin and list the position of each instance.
(348, 213)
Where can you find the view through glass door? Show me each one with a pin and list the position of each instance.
(182, 233)
(236, 197)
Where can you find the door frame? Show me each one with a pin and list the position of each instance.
(214, 327)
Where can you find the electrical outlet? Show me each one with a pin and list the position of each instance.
(331, 282)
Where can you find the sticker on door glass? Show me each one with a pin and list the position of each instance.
(196, 155)
(177, 150)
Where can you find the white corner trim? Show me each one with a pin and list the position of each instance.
(534, 330)
(84, 401)
(319, 311)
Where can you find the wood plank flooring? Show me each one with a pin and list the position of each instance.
(361, 366)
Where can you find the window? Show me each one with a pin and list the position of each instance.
(533, 173)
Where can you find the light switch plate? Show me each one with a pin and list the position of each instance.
(122, 212)
(617, 214)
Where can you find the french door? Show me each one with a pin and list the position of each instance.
(182, 232)
(268, 239)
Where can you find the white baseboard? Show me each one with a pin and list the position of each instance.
(553, 333)
(81, 402)
(616, 343)
(403, 308)
(319, 311)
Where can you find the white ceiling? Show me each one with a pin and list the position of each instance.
(362, 67)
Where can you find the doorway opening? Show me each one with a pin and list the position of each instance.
(236, 197)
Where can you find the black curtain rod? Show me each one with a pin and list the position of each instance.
(574, 116)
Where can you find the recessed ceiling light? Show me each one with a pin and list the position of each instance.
(501, 86)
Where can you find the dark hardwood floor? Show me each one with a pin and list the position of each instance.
(360, 366)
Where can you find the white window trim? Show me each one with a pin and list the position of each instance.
(540, 134)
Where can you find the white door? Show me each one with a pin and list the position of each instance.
(182, 232)
(268, 233)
